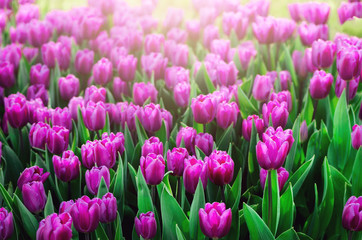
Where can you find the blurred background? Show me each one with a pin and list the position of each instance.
(278, 8)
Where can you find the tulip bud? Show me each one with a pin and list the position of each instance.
(67, 167)
(68, 87)
(181, 94)
(211, 33)
(41, 114)
(349, 62)
(262, 88)
(194, 170)
(39, 33)
(205, 142)
(283, 96)
(62, 117)
(226, 73)
(11, 54)
(300, 64)
(193, 30)
(34, 197)
(153, 168)
(303, 132)
(7, 75)
(26, 13)
(38, 91)
(64, 56)
(49, 52)
(57, 139)
(93, 178)
(55, 226)
(285, 80)
(356, 136)
(175, 160)
(39, 74)
(320, 84)
(120, 88)
(143, 91)
(180, 55)
(248, 126)
(6, 224)
(316, 13)
(187, 135)
(31, 174)
(246, 52)
(108, 208)
(117, 141)
(154, 43)
(84, 60)
(88, 157)
(102, 71)
(104, 153)
(85, 214)
(94, 116)
(203, 108)
(150, 117)
(73, 105)
(175, 75)
(352, 214)
(16, 110)
(278, 111)
(215, 220)
(309, 33)
(220, 47)
(227, 114)
(220, 167)
(323, 53)
(341, 85)
(155, 64)
(146, 225)
(37, 135)
(295, 11)
(126, 66)
(264, 29)
(95, 94)
(235, 21)
(152, 145)
(131, 113)
(282, 177)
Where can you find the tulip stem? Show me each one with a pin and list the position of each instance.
(269, 57)
(222, 188)
(347, 92)
(86, 236)
(350, 233)
(315, 106)
(98, 135)
(153, 194)
(69, 191)
(270, 198)
(277, 54)
(21, 140)
(179, 190)
(109, 230)
(204, 128)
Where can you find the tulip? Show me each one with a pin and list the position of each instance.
(248, 126)
(104, 153)
(235, 21)
(320, 84)
(150, 117)
(68, 87)
(227, 73)
(93, 178)
(95, 94)
(220, 47)
(303, 132)
(7, 75)
(31, 174)
(39, 74)
(153, 168)
(347, 11)
(146, 225)
(154, 43)
(349, 63)
(85, 214)
(113, 113)
(155, 64)
(215, 220)
(193, 30)
(94, 116)
(180, 55)
(220, 167)
(6, 224)
(300, 64)
(108, 208)
(207, 15)
(187, 135)
(308, 59)
(39, 33)
(37, 135)
(175, 75)
(64, 56)
(323, 53)
(42, 114)
(34, 197)
(203, 108)
(88, 157)
(143, 91)
(174, 18)
(352, 214)
(360, 112)
(264, 29)
(282, 177)
(283, 96)
(205, 142)
(262, 88)
(316, 13)
(309, 33)
(246, 52)
(55, 226)
(278, 111)
(83, 62)
(11, 54)
(283, 135)
(285, 80)
(62, 117)
(178, 35)
(210, 33)
(181, 94)
(120, 88)
(167, 118)
(194, 169)
(227, 114)
(175, 160)
(33, 106)
(152, 145)
(126, 66)
(57, 139)
(131, 112)
(16, 110)
(341, 85)
(102, 71)
(67, 167)
(49, 52)
(38, 91)
(26, 13)
(73, 105)
(117, 141)
(295, 11)
(356, 136)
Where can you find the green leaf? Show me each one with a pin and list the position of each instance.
(75, 137)
(102, 189)
(233, 200)
(356, 174)
(313, 222)
(119, 186)
(226, 138)
(287, 210)
(143, 194)
(100, 233)
(327, 204)
(179, 234)
(23, 74)
(119, 234)
(128, 143)
(290, 158)
(253, 164)
(13, 166)
(271, 201)
(257, 227)
(28, 220)
(83, 131)
(107, 125)
(290, 67)
(141, 133)
(307, 112)
(6, 196)
(288, 235)
(162, 133)
(197, 203)
(49, 208)
(246, 107)
(53, 87)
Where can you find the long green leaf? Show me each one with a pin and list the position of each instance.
(287, 210)
(257, 227)
(271, 201)
(197, 203)
(30, 223)
(49, 207)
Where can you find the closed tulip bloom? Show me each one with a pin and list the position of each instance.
(38, 135)
(38, 91)
(150, 117)
(33, 106)
(323, 53)
(6, 224)
(56, 227)
(295, 11)
(57, 139)
(11, 54)
(85, 214)
(181, 94)
(39, 74)
(246, 53)
(64, 56)
(220, 47)
(16, 110)
(62, 117)
(153, 168)
(282, 135)
(248, 126)
(341, 85)
(347, 11)
(7, 75)
(50, 52)
(31, 174)
(205, 142)
(282, 173)
(178, 35)
(285, 80)
(108, 208)
(316, 13)
(131, 113)
(67, 167)
(167, 118)
(220, 167)
(152, 145)
(175, 160)
(102, 71)
(303, 132)
(262, 87)
(277, 111)
(309, 33)
(211, 33)
(117, 141)
(142, 91)
(88, 157)
(236, 22)
(93, 178)
(120, 88)
(155, 64)
(180, 55)
(34, 197)
(68, 87)
(83, 62)
(227, 73)
(283, 96)
(187, 135)
(146, 225)
(227, 114)
(73, 105)
(356, 136)
(264, 29)
(194, 169)
(215, 220)
(113, 113)
(94, 115)
(352, 214)
(349, 63)
(39, 33)
(95, 94)
(320, 84)
(126, 66)
(104, 153)
(203, 108)
(300, 64)
(154, 43)
(175, 75)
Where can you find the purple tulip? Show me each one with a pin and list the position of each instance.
(341, 85)
(73, 105)
(113, 113)
(246, 52)
(295, 11)
(88, 156)
(12, 54)
(32, 174)
(210, 33)
(108, 208)
(308, 60)
(143, 91)
(352, 214)
(41, 114)
(320, 84)
(300, 64)
(39, 74)
(316, 13)
(262, 87)
(84, 60)
(150, 117)
(187, 135)
(356, 136)
(323, 53)
(67, 167)
(194, 169)
(282, 177)
(62, 117)
(205, 142)
(220, 167)
(175, 160)
(37, 135)
(277, 111)
(215, 220)
(94, 116)
(309, 33)
(285, 80)
(93, 178)
(155, 64)
(64, 56)
(227, 73)
(227, 114)
(248, 126)
(178, 35)
(349, 62)
(16, 110)
(38, 91)
(34, 197)
(57, 139)
(283, 96)
(7, 75)
(264, 29)
(6, 224)
(154, 43)
(347, 11)
(68, 87)
(39, 33)
(152, 145)
(303, 132)
(126, 66)
(175, 75)
(33, 105)
(102, 71)
(104, 153)
(131, 112)
(55, 226)
(26, 13)
(360, 112)
(153, 168)
(181, 94)
(120, 88)
(49, 52)
(174, 18)
(95, 94)
(85, 214)
(180, 55)
(146, 225)
(220, 47)
(235, 21)
(203, 108)
(117, 141)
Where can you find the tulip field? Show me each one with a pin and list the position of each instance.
(197, 119)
